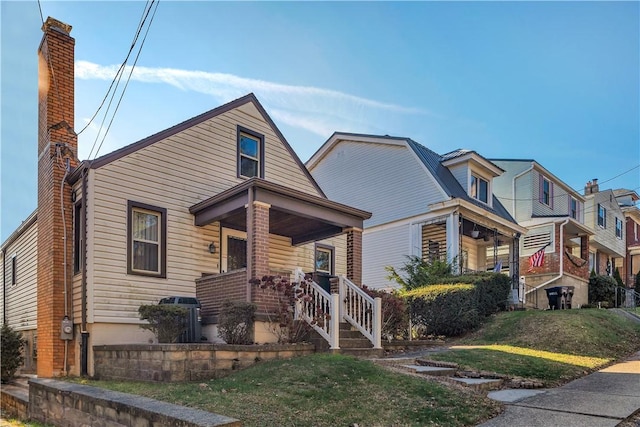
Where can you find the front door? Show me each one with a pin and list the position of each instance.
(234, 250)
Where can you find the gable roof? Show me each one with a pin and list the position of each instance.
(433, 161)
(132, 148)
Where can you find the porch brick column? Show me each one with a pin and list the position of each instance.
(354, 255)
(584, 247)
(259, 240)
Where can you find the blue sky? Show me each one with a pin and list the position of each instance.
(557, 82)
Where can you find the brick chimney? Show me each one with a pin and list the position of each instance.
(591, 187)
(57, 148)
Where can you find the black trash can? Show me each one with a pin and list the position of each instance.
(554, 295)
(322, 279)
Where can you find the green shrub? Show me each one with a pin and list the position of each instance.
(11, 352)
(602, 289)
(166, 321)
(493, 290)
(235, 322)
(444, 309)
(418, 272)
(395, 319)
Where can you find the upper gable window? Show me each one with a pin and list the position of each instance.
(546, 192)
(602, 216)
(250, 153)
(479, 189)
(573, 208)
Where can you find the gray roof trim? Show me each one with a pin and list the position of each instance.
(31, 219)
(131, 148)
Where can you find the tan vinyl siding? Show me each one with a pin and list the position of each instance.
(606, 237)
(172, 174)
(387, 180)
(21, 298)
(381, 248)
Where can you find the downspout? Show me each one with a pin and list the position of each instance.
(560, 251)
(4, 287)
(513, 187)
(84, 334)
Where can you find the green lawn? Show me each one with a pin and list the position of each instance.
(323, 390)
(551, 346)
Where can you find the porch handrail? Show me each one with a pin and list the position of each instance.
(318, 308)
(361, 310)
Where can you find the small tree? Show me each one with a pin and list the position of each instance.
(166, 321)
(280, 298)
(235, 322)
(419, 272)
(11, 352)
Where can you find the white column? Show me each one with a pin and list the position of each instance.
(453, 238)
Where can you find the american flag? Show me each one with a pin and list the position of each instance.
(537, 259)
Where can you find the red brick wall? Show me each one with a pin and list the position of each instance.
(214, 290)
(259, 246)
(55, 105)
(354, 256)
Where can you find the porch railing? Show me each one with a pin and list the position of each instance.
(361, 310)
(319, 309)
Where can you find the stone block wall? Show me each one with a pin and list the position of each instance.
(185, 362)
(73, 405)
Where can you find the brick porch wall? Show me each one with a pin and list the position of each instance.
(354, 255)
(215, 289)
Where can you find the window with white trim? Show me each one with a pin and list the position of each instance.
(546, 192)
(147, 228)
(618, 228)
(573, 207)
(250, 153)
(324, 258)
(602, 216)
(479, 189)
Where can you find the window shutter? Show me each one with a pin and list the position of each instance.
(551, 194)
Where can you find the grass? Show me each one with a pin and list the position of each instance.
(323, 390)
(551, 346)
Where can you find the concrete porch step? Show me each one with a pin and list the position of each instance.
(365, 353)
(355, 343)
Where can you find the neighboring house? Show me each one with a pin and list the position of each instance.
(19, 274)
(628, 202)
(607, 246)
(424, 204)
(197, 210)
(554, 215)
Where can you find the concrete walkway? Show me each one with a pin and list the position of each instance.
(602, 399)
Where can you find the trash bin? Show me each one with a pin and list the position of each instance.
(554, 296)
(193, 333)
(322, 279)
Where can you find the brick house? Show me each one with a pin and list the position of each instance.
(627, 200)
(554, 215)
(197, 210)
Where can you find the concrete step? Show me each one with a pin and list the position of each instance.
(366, 353)
(355, 343)
(484, 384)
(430, 370)
(344, 333)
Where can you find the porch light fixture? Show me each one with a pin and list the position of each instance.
(212, 248)
(475, 233)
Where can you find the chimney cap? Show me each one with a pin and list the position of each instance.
(54, 24)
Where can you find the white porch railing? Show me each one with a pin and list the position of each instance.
(319, 309)
(361, 311)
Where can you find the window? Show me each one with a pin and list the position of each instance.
(250, 153)
(479, 189)
(236, 253)
(573, 208)
(324, 258)
(602, 216)
(546, 192)
(147, 231)
(14, 270)
(78, 237)
(618, 228)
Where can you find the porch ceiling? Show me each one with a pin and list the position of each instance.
(302, 217)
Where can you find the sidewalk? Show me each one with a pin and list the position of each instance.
(602, 399)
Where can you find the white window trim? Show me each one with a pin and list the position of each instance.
(489, 193)
(224, 247)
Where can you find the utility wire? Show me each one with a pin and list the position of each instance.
(130, 72)
(118, 73)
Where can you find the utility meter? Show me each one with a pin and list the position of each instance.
(66, 332)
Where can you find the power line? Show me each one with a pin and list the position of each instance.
(130, 72)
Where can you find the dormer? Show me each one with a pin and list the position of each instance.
(474, 173)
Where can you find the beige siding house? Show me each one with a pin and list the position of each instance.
(424, 204)
(198, 209)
